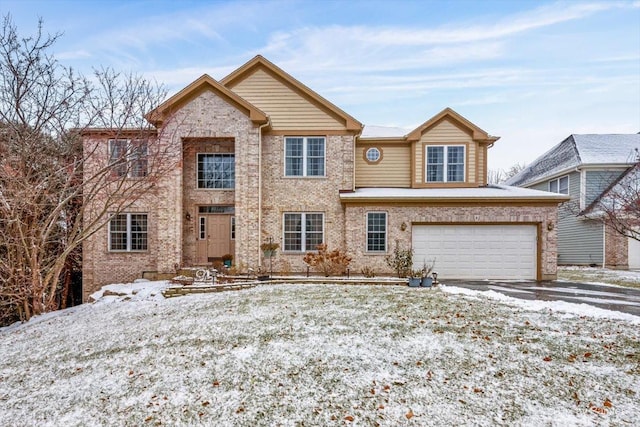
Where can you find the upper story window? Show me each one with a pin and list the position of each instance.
(128, 232)
(128, 157)
(304, 156)
(217, 171)
(445, 163)
(303, 231)
(559, 185)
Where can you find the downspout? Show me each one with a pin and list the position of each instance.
(355, 152)
(604, 244)
(260, 188)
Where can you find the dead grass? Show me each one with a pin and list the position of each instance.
(629, 279)
(318, 355)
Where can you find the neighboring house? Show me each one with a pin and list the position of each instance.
(261, 156)
(585, 167)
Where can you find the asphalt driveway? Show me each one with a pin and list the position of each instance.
(626, 300)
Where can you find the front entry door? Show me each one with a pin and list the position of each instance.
(215, 237)
(218, 235)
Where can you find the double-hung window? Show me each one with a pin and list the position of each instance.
(128, 157)
(445, 163)
(217, 171)
(376, 231)
(303, 231)
(559, 185)
(304, 156)
(128, 232)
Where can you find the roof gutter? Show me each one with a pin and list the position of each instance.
(436, 201)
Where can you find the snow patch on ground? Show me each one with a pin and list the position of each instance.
(321, 355)
(598, 275)
(535, 305)
(140, 290)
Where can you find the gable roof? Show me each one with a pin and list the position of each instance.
(205, 82)
(259, 61)
(476, 133)
(581, 150)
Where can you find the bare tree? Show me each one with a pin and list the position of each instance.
(500, 175)
(619, 204)
(495, 176)
(53, 193)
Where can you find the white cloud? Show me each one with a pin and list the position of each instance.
(73, 54)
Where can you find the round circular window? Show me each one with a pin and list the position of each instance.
(373, 155)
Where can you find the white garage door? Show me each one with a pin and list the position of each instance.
(634, 254)
(477, 251)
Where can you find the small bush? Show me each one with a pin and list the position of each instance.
(238, 269)
(368, 272)
(332, 263)
(401, 260)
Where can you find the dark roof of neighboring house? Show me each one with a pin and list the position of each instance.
(580, 150)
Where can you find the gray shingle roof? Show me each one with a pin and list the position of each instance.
(579, 150)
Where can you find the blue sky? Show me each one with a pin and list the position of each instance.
(532, 72)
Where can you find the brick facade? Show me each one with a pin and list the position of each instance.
(314, 194)
(615, 249)
(171, 237)
(209, 118)
(409, 215)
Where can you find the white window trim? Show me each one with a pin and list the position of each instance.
(557, 180)
(303, 232)
(232, 228)
(386, 232)
(128, 156)
(445, 163)
(304, 158)
(215, 189)
(129, 233)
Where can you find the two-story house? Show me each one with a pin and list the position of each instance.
(261, 157)
(584, 167)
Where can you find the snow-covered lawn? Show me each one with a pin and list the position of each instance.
(600, 275)
(322, 355)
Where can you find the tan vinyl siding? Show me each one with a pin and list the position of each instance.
(418, 171)
(393, 170)
(287, 109)
(446, 133)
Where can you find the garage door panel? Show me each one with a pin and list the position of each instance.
(477, 251)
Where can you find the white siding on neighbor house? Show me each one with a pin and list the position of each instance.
(580, 242)
(488, 251)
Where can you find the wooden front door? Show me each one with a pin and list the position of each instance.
(214, 237)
